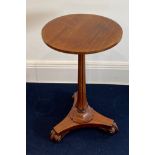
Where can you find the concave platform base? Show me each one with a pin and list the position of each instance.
(76, 119)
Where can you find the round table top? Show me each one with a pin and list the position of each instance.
(81, 33)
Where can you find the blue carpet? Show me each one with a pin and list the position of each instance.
(47, 104)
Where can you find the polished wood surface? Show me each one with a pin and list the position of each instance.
(81, 111)
(81, 33)
(81, 114)
(67, 124)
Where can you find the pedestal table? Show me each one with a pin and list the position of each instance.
(82, 34)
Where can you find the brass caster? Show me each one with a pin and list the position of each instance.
(55, 137)
(113, 129)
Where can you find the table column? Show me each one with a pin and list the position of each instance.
(82, 103)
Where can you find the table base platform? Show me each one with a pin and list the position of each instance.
(77, 119)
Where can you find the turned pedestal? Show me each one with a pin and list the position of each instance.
(82, 34)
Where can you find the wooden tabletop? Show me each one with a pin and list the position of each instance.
(81, 33)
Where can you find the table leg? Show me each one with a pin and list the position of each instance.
(81, 114)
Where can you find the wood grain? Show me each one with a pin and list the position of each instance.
(67, 124)
(81, 33)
